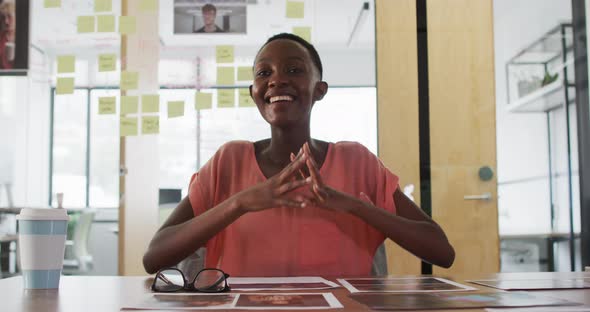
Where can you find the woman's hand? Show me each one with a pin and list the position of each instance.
(274, 192)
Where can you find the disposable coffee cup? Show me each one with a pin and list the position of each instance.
(10, 49)
(42, 242)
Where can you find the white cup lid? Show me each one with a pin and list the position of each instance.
(56, 214)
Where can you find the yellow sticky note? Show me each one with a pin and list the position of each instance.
(85, 24)
(225, 54)
(66, 64)
(103, 5)
(107, 62)
(295, 9)
(107, 105)
(245, 73)
(129, 80)
(150, 124)
(106, 23)
(129, 104)
(203, 100)
(175, 109)
(52, 3)
(128, 126)
(127, 25)
(150, 103)
(148, 5)
(226, 98)
(244, 98)
(303, 32)
(64, 85)
(225, 76)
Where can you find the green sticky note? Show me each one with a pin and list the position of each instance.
(107, 62)
(127, 25)
(150, 124)
(244, 98)
(64, 85)
(225, 54)
(148, 5)
(226, 98)
(66, 64)
(106, 23)
(107, 105)
(85, 24)
(295, 9)
(103, 5)
(129, 80)
(52, 3)
(150, 103)
(225, 76)
(129, 104)
(203, 100)
(245, 73)
(128, 126)
(303, 32)
(175, 109)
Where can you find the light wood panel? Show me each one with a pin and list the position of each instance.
(463, 131)
(397, 107)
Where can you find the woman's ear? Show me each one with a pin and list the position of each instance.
(250, 88)
(321, 88)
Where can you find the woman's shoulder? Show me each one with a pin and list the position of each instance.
(351, 147)
(234, 147)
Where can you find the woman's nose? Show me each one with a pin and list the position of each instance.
(277, 79)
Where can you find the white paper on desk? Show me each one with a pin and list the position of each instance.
(279, 283)
(543, 309)
(402, 285)
(185, 301)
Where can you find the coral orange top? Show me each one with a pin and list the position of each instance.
(294, 241)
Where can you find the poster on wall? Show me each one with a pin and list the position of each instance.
(210, 16)
(14, 37)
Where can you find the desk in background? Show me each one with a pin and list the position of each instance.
(111, 293)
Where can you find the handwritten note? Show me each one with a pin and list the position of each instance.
(103, 5)
(245, 73)
(175, 109)
(295, 9)
(150, 103)
(106, 23)
(66, 64)
(203, 100)
(226, 98)
(65, 85)
(225, 54)
(303, 32)
(148, 5)
(244, 98)
(107, 105)
(129, 104)
(225, 76)
(127, 25)
(107, 62)
(52, 3)
(85, 24)
(129, 80)
(150, 124)
(128, 126)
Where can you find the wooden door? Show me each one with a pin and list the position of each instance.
(462, 122)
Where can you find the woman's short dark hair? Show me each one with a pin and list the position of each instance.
(315, 57)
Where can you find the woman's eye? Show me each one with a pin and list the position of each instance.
(294, 70)
(262, 73)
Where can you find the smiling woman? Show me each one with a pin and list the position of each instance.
(291, 204)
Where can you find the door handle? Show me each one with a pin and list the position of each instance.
(484, 196)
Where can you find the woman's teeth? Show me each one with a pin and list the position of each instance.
(280, 98)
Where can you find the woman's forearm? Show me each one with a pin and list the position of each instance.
(174, 243)
(424, 239)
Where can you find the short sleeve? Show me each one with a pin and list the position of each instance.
(200, 188)
(387, 184)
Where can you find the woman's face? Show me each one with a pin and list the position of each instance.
(286, 83)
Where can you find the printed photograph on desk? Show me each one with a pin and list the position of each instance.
(287, 301)
(280, 283)
(187, 301)
(402, 285)
(565, 283)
